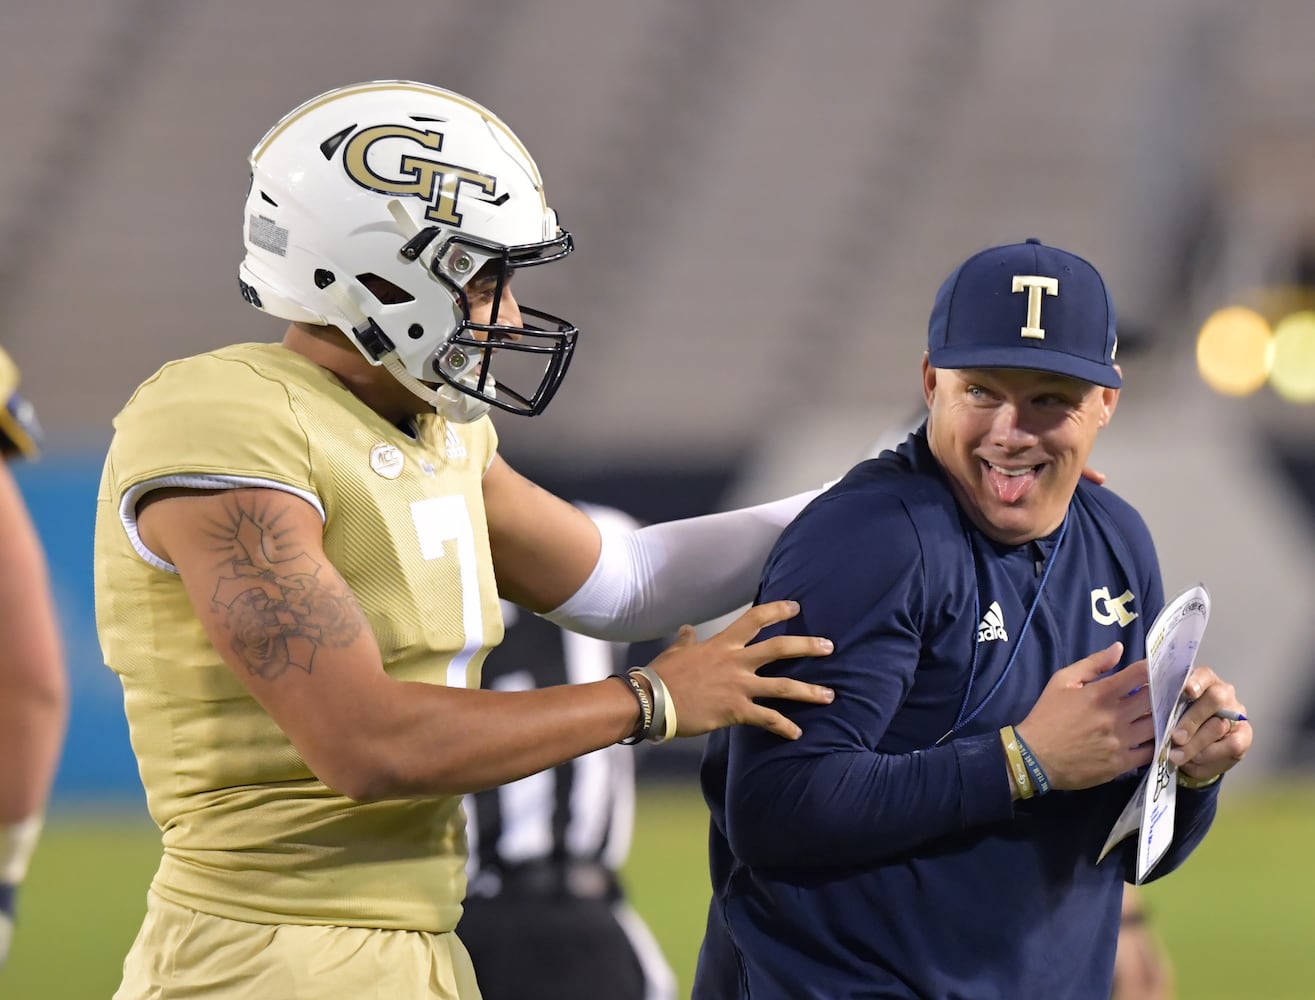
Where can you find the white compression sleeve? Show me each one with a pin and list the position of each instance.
(649, 582)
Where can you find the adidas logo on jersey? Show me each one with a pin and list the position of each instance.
(992, 625)
(456, 448)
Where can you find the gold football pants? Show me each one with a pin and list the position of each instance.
(182, 953)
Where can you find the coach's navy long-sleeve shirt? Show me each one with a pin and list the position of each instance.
(878, 857)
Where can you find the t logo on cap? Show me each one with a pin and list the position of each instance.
(1034, 285)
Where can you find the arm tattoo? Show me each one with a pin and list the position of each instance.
(279, 610)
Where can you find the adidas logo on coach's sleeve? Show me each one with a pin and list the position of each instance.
(992, 625)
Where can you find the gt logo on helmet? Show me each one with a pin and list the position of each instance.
(412, 175)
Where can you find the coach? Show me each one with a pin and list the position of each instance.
(935, 831)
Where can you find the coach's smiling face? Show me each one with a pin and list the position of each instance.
(1013, 443)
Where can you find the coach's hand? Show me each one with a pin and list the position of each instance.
(713, 683)
(1087, 728)
(1204, 746)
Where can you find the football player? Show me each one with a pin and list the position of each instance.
(301, 546)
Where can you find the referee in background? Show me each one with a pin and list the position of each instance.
(545, 913)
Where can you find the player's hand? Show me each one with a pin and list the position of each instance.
(1086, 729)
(714, 683)
(1095, 475)
(1205, 747)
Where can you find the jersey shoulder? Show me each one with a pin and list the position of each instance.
(890, 491)
(225, 413)
(883, 520)
(1119, 515)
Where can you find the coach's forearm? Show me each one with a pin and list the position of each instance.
(860, 807)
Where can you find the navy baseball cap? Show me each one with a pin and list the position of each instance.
(1026, 305)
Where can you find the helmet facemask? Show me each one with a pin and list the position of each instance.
(532, 356)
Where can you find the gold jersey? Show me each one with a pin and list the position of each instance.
(248, 831)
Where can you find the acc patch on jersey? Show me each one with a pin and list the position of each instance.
(387, 460)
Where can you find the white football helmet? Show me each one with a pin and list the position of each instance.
(371, 207)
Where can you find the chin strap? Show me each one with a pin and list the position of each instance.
(449, 402)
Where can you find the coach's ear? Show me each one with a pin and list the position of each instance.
(1109, 399)
(928, 380)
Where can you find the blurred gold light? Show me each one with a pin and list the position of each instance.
(1234, 351)
(1293, 372)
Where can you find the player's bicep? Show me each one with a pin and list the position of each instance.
(275, 609)
(543, 548)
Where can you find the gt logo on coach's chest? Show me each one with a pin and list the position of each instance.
(402, 167)
(1107, 610)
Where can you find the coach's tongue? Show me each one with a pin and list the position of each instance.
(1011, 488)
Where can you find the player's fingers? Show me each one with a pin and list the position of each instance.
(686, 636)
(1095, 475)
(773, 721)
(787, 647)
(742, 630)
(790, 690)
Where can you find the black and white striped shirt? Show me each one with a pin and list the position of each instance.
(582, 810)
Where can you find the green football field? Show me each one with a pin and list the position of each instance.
(1239, 917)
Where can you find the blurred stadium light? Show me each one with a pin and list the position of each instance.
(1235, 351)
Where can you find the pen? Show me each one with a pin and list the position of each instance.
(1230, 715)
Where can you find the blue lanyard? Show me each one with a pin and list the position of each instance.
(962, 720)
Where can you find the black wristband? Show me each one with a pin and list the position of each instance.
(645, 721)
